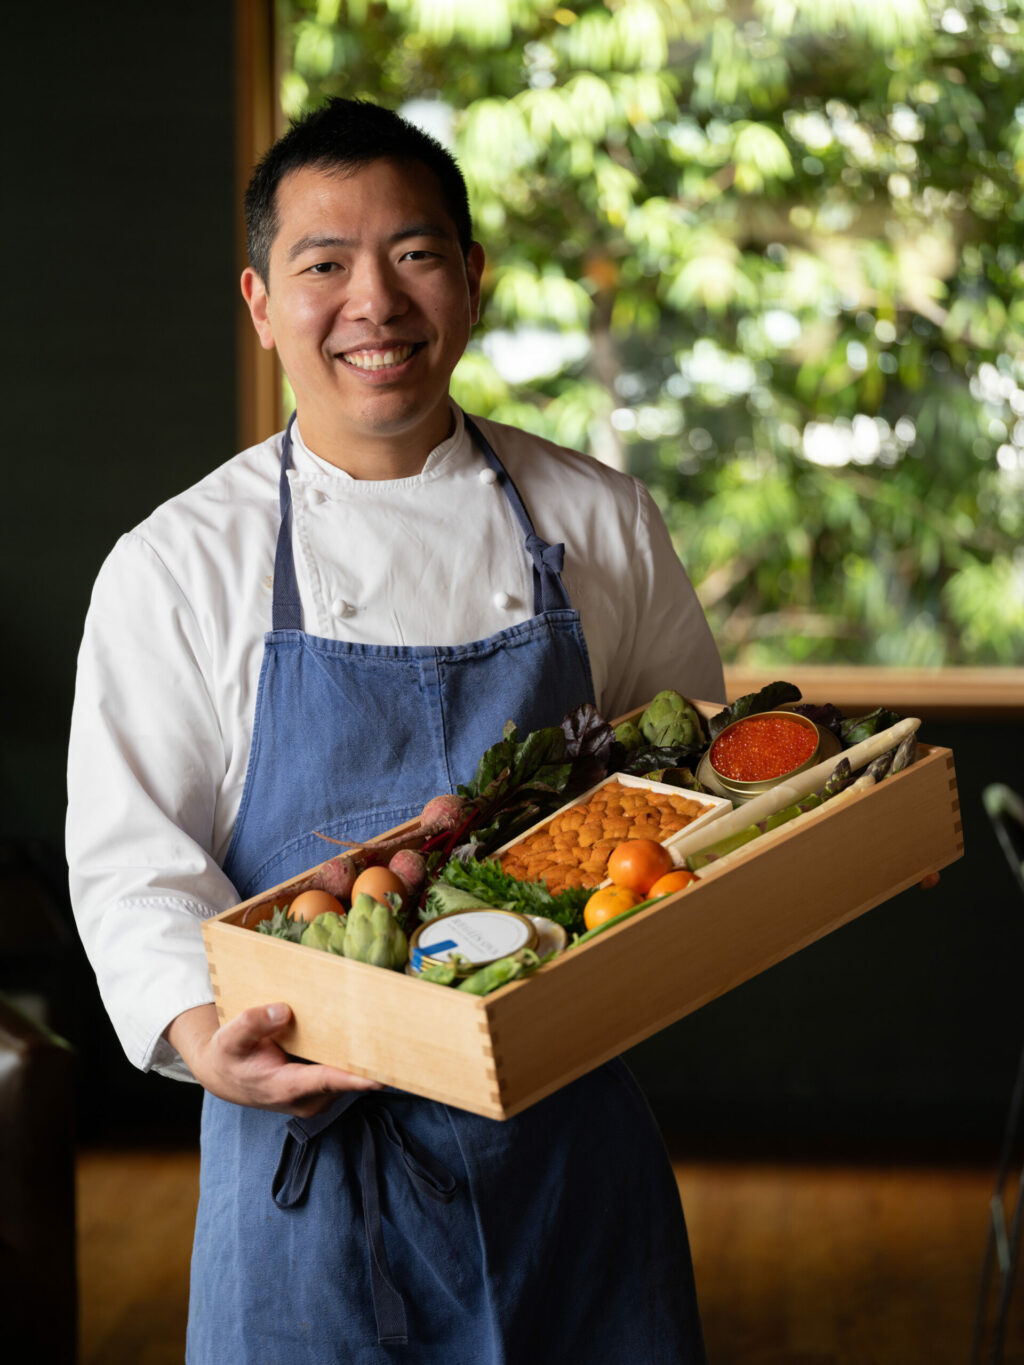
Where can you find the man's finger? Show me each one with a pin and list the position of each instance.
(316, 1079)
(252, 1026)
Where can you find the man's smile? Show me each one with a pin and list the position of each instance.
(379, 358)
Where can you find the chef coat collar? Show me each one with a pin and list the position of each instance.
(306, 463)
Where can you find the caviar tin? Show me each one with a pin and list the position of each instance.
(474, 937)
(740, 791)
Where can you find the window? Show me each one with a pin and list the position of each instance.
(766, 267)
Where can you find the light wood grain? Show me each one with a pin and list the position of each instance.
(404, 1032)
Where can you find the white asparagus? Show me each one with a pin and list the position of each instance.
(788, 793)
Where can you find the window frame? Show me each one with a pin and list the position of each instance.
(258, 121)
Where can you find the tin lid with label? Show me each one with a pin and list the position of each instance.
(477, 937)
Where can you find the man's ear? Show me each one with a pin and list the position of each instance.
(474, 274)
(254, 291)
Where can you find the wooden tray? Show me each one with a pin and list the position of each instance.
(498, 1054)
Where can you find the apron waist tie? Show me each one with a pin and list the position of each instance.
(294, 1173)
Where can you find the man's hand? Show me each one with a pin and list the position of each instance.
(241, 1062)
(928, 882)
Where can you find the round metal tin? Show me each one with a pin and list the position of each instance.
(745, 790)
(476, 937)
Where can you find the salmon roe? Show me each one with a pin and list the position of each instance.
(762, 747)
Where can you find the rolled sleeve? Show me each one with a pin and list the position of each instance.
(145, 765)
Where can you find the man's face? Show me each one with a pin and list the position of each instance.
(369, 303)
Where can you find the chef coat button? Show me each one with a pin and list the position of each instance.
(315, 496)
(488, 475)
(502, 599)
(339, 607)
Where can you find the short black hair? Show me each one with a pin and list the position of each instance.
(345, 135)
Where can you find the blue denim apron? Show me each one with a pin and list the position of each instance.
(391, 1227)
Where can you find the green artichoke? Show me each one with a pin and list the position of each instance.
(374, 935)
(670, 722)
(326, 932)
(629, 735)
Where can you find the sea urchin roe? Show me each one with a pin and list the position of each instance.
(762, 747)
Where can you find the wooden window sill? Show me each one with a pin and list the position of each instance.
(931, 693)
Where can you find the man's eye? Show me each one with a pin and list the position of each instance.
(322, 268)
(420, 254)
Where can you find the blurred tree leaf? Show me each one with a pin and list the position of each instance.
(788, 235)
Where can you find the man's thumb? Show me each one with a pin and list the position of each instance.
(263, 1021)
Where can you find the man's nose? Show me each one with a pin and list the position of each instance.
(375, 293)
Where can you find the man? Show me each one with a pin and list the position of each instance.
(408, 566)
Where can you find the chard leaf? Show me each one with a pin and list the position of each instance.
(640, 762)
(770, 697)
(589, 739)
(855, 729)
(587, 733)
(829, 717)
(494, 763)
(541, 758)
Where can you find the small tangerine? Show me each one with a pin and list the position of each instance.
(676, 880)
(608, 903)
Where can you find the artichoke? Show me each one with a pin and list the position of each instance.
(374, 935)
(326, 932)
(629, 735)
(671, 722)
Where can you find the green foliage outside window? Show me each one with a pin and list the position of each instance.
(765, 255)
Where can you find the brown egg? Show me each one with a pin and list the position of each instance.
(308, 904)
(376, 882)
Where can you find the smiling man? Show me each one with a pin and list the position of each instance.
(322, 634)
(369, 298)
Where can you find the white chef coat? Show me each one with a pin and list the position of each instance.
(173, 643)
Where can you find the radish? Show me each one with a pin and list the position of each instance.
(410, 868)
(337, 876)
(446, 811)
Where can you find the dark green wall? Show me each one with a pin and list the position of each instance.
(119, 304)
(900, 1031)
(119, 311)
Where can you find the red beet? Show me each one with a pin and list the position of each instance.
(337, 876)
(446, 811)
(410, 868)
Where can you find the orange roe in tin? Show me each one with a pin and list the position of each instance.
(762, 747)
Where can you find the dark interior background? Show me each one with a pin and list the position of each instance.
(896, 1036)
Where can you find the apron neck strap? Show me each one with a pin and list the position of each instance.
(287, 613)
(549, 592)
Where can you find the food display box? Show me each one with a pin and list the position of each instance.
(497, 1054)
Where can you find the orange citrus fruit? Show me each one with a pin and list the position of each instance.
(675, 880)
(608, 902)
(638, 863)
